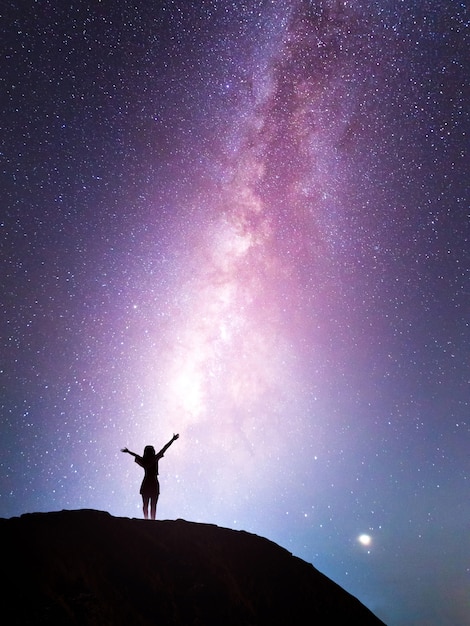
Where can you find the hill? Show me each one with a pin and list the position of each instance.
(87, 567)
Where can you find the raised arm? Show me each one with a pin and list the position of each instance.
(129, 452)
(165, 448)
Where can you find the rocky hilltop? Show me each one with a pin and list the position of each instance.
(87, 567)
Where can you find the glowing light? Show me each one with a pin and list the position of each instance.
(365, 540)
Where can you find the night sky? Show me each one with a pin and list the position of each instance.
(246, 222)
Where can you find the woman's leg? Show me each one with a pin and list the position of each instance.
(153, 506)
(145, 506)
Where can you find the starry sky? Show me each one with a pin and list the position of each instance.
(246, 222)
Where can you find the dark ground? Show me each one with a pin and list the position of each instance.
(89, 568)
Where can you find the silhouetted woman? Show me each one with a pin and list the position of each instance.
(150, 487)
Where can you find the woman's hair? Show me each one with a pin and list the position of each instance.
(149, 451)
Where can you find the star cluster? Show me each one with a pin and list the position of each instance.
(245, 222)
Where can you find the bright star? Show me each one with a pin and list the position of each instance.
(365, 540)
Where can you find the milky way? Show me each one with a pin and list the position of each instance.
(246, 223)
